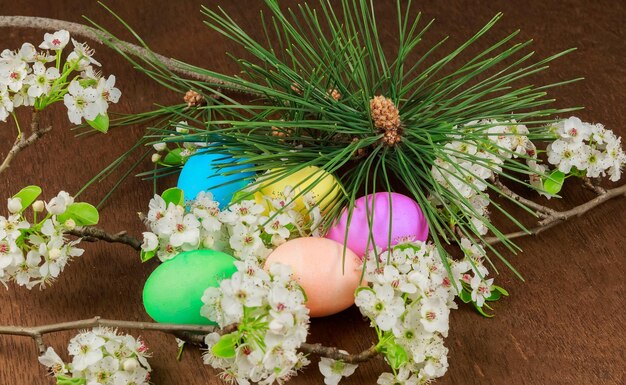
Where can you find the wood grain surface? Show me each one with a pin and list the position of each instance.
(564, 325)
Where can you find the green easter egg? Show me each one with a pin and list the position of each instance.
(173, 291)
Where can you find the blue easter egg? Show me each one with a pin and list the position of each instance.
(200, 173)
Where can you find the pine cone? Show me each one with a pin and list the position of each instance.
(335, 94)
(386, 117)
(193, 99)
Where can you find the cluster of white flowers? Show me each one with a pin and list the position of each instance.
(245, 230)
(26, 79)
(589, 148)
(36, 253)
(408, 301)
(101, 356)
(467, 179)
(272, 322)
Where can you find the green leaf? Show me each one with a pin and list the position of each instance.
(147, 255)
(465, 296)
(395, 354)
(82, 213)
(28, 195)
(64, 380)
(501, 290)
(100, 123)
(174, 195)
(495, 295)
(482, 312)
(225, 347)
(173, 158)
(554, 182)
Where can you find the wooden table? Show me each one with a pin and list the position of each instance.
(564, 325)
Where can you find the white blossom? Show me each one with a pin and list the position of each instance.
(334, 370)
(102, 356)
(81, 102)
(55, 41)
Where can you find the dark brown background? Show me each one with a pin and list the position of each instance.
(565, 325)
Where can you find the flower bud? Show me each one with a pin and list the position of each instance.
(70, 224)
(130, 365)
(159, 146)
(156, 158)
(182, 130)
(38, 206)
(15, 205)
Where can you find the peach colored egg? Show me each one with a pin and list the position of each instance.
(318, 267)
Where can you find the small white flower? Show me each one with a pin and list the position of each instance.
(86, 349)
(150, 242)
(404, 377)
(574, 130)
(6, 104)
(380, 304)
(481, 289)
(52, 360)
(435, 313)
(55, 41)
(41, 80)
(81, 56)
(59, 204)
(81, 102)
(13, 74)
(334, 370)
(106, 93)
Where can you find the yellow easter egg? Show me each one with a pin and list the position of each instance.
(325, 192)
(318, 265)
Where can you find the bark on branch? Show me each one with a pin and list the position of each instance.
(21, 142)
(192, 333)
(98, 36)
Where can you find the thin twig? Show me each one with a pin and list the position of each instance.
(94, 234)
(541, 210)
(102, 37)
(193, 333)
(561, 216)
(21, 142)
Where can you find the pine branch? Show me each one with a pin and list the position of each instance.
(21, 142)
(192, 333)
(101, 37)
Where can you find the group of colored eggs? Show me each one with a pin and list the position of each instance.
(328, 272)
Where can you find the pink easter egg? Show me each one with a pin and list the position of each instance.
(318, 266)
(407, 223)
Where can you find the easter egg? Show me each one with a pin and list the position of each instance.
(173, 292)
(325, 191)
(407, 223)
(201, 173)
(318, 266)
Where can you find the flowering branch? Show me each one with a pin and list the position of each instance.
(192, 333)
(550, 217)
(94, 234)
(37, 332)
(21, 142)
(101, 37)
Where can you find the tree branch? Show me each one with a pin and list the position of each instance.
(21, 142)
(192, 333)
(556, 217)
(102, 37)
(94, 234)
